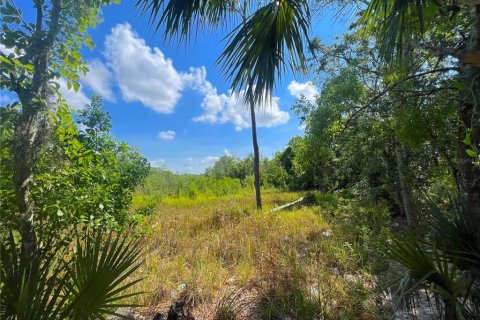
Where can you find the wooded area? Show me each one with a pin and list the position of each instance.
(388, 165)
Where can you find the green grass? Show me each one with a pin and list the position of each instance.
(208, 246)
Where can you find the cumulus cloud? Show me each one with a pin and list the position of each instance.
(98, 79)
(306, 90)
(143, 73)
(167, 135)
(76, 100)
(231, 107)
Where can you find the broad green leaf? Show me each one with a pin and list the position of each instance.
(472, 153)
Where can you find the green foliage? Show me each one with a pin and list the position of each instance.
(161, 182)
(82, 175)
(323, 200)
(365, 117)
(397, 24)
(274, 173)
(256, 50)
(85, 284)
(255, 54)
(233, 167)
(66, 39)
(8, 115)
(447, 264)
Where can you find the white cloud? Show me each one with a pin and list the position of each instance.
(99, 79)
(76, 100)
(167, 135)
(305, 90)
(231, 107)
(157, 163)
(143, 74)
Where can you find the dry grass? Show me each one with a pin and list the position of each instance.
(234, 262)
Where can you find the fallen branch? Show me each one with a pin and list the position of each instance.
(288, 205)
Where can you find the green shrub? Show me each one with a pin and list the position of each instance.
(324, 200)
(57, 284)
(446, 264)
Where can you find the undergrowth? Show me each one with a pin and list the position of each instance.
(311, 262)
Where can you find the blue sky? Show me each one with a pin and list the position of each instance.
(171, 102)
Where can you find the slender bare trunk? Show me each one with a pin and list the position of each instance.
(405, 193)
(256, 155)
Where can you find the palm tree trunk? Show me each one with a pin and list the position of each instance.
(256, 154)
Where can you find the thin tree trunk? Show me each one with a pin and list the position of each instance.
(251, 100)
(256, 154)
(468, 174)
(406, 198)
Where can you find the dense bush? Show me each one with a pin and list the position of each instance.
(83, 174)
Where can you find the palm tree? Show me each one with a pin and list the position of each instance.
(270, 38)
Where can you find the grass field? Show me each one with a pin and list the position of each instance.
(229, 261)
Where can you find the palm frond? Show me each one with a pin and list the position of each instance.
(447, 263)
(90, 285)
(429, 267)
(99, 275)
(258, 50)
(180, 17)
(396, 23)
(29, 288)
(459, 233)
